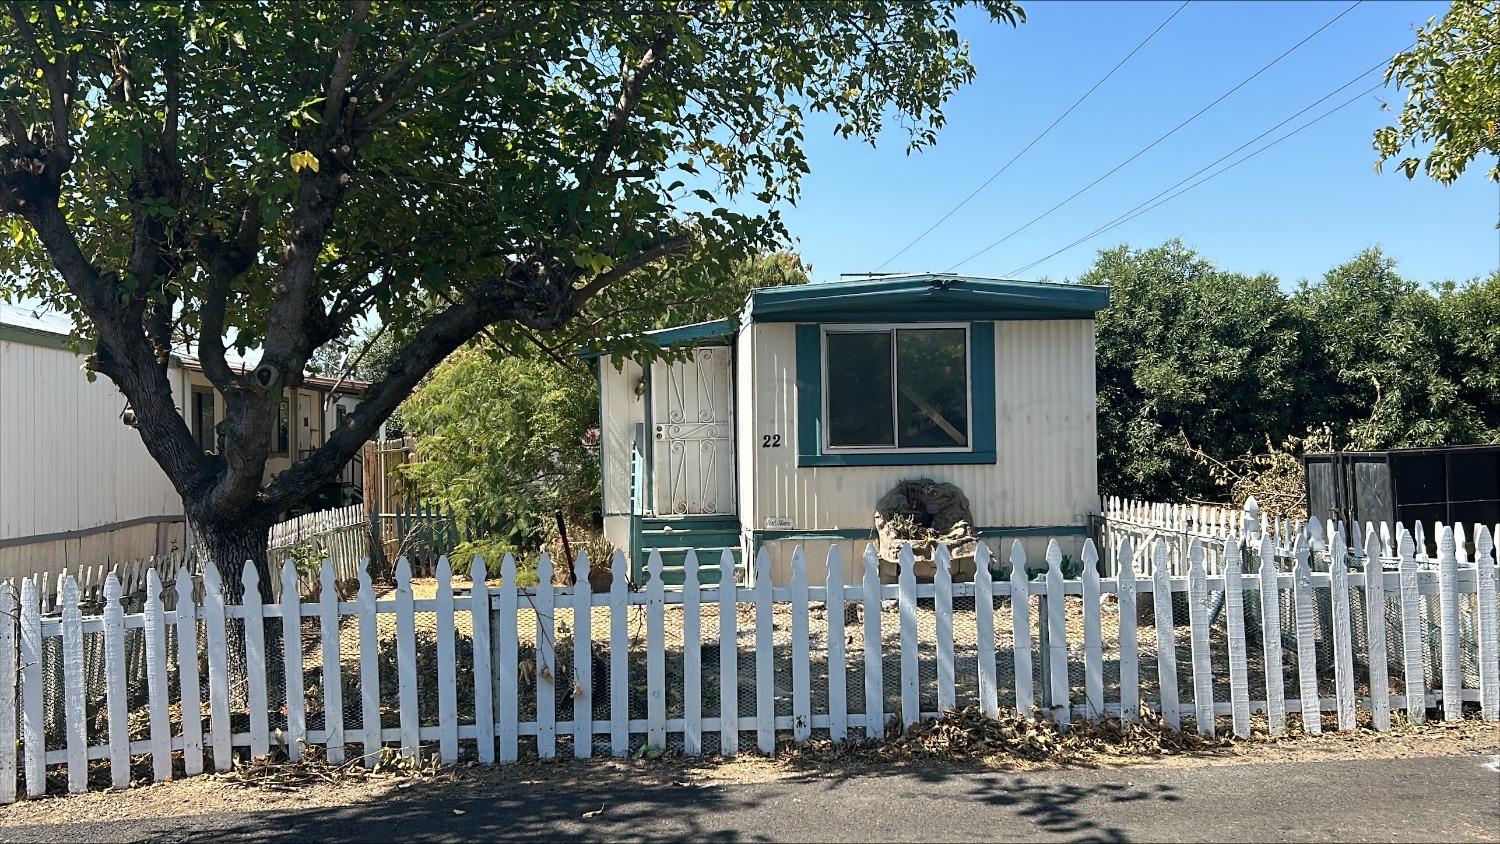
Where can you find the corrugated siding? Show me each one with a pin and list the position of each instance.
(622, 411)
(66, 461)
(1045, 411)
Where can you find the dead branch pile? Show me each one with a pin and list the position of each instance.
(967, 733)
(278, 773)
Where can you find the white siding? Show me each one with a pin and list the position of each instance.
(622, 410)
(1045, 474)
(67, 462)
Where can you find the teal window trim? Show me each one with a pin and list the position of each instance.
(809, 370)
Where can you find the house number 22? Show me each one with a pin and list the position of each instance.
(770, 441)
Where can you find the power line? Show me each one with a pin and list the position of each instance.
(1170, 133)
(1131, 216)
(1120, 219)
(995, 175)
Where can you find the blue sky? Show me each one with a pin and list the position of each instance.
(1296, 211)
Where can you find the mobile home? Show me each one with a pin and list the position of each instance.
(792, 423)
(77, 486)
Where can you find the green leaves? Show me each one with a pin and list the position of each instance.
(1452, 79)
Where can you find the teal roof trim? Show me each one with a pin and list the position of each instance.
(681, 335)
(925, 297)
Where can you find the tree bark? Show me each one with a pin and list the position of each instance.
(229, 544)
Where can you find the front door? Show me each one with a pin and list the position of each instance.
(692, 448)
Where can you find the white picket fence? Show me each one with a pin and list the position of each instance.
(512, 698)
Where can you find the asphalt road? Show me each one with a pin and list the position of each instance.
(1420, 799)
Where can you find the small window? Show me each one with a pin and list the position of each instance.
(284, 427)
(203, 418)
(897, 388)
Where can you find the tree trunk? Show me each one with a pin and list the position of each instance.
(229, 543)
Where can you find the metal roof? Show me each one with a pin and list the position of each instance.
(924, 296)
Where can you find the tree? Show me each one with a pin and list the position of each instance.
(262, 175)
(509, 436)
(1375, 366)
(1190, 359)
(1452, 79)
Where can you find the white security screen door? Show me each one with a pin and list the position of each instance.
(692, 421)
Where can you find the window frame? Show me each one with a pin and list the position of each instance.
(278, 448)
(207, 441)
(893, 328)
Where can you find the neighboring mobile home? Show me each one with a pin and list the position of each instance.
(77, 486)
(787, 425)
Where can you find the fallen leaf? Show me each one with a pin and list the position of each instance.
(595, 813)
(458, 811)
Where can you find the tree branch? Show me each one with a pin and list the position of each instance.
(525, 296)
(343, 65)
(670, 246)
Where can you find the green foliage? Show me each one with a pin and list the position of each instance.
(1188, 356)
(506, 441)
(1452, 81)
(1199, 368)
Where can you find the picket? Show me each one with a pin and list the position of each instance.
(291, 650)
(1452, 676)
(1307, 654)
(1130, 660)
(333, 684)
(984, 632)
(1489, 624)
(543, 602)
(729, 680)
(874, 681)
(1343, 633)
(906, 580)
(255, 663)
(406, 662)
(1166, 647)
(1270, 629)
(447, 685)
(1411, 632)
(1093, 637)
(189, 688)
(484, 701)
(507, 667)
(8, 678)
(33, 734)
(801, 664)
(656, 655)
(73, 691)
(1198, 610)
(583, 653)
(1020, 619)
(943, 611)
(838, 690)
(369, 670)
(215, 637)
(1234, 624)
(619, 655)
(765, 693)
(1057, 638)
(1375, 624)
(692, 659)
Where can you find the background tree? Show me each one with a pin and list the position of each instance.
(1212, 383)
(1452, 81)
(510, 436)
(264, 175)
(1189, 357)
